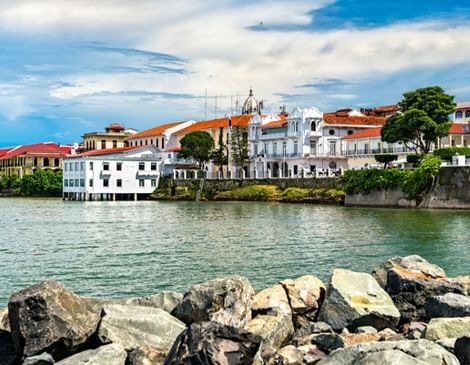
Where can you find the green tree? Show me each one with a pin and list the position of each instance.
(42, 183)
(197, 145)
(239, 146)
(424, 118)
(385, 159)
(219, 156)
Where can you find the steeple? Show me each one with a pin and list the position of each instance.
(251, 105)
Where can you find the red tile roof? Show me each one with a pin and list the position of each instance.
(387, 108)
(155, 131)
(108, 151)
(237, 121)
(3, 151)
(459, 128)
(43, 149)
(366, 133)
(115, 126)
(341, 119)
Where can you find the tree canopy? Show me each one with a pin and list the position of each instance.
(239, 146)
(385, 159)
(197, 145)
(423, 119)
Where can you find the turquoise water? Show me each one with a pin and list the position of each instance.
(120, 249)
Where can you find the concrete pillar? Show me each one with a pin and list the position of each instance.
(135, 196)
(114, 197)
(184, 174)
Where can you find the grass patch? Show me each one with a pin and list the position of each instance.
(251, 192)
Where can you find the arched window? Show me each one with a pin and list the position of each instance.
(45, 162)
(313, 126)
(332, 165)
(56, 162)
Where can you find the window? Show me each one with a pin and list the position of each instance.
(163, 143)
(56, 162)
(366, 147)
(265, 148)
(66, 166)
(151, 141)
(296, 127)
(141, 183)
(332, 132)
(77, 183)
(156, 140)
(350, 132)
(141, 166)
(118, 166)
(296, 147)
(295, 170)
(333, 148)
(274, 148)
(114, 144)
(146, 142)
(153, 183)
(90, 183)
(141, 142)
(332, 165)
(119, 183)
(66, 182)
(284, 148)
(153, 166)
(106, 166)
(313, 147)
(91, 166)
(77, 166)
(71, 183)
(45, 162)
(82, 166)
(313, 126)
(103, 144)
(256, 149)
(458, 115)
(467, 114)
(106, 183)
(82, 183)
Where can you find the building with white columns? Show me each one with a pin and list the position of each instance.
(115, 174)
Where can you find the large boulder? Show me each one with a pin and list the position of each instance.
(305, 296)
(42, 359)
(274, 330)
(355, 299)
(213, 343)
(290, 355)
(147, 356)
(8, 355)
(272, 300)
(227, 301)
(139, 327)
(166, 300)
(448, 305)
(415, 352)
(411, 280)
(47, 317)
(112, 354)
(462, 350)
(440, 328)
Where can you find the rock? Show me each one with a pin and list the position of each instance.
(356, 338)
(4, 321)
(139, 327)
(226, 301)
(291, 356)
(213, 343)
(305, 296)
(411, 280)
(274, 330)
(414, 352)
(440, 328)
(271, 300)
(47, 317)
(448, 305)
(313, 328)
(380, 272)
(166, 300)
(112, 354)
(447, 343)
(355, 299)
(463, 281)
(328, 342)
(366, 329)
(312, 354)
(42, 359)
(145, 357)
(462, 350)
(414, 330)
(8, 354)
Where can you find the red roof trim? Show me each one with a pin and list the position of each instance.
(109, 151)
(366, 133)
(42, 149)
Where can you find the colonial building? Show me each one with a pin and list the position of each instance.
(157, 136)
(113, 174)
(24, 160)
(114, 136)
(462, 112)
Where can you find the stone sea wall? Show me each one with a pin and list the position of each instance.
(407, 311)
(451, 190)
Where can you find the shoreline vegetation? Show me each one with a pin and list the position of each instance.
(405, 311)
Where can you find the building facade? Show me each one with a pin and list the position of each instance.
(118, 174)
(114, 136)
(158, 136)
(462, 112)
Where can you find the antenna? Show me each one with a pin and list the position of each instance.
(205, 105)
(215, 107)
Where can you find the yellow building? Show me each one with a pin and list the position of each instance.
(114, 136)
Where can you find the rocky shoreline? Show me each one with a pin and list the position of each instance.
(407, 311)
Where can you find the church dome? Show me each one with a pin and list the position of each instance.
(251, 105)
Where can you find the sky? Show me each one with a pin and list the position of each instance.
(71, 67)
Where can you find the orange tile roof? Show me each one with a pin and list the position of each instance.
(459, 128)
(387, 108)
(366, 133)
(155, 131)
(108, 151)
(335, 119)
(275, 124)
(237, 121)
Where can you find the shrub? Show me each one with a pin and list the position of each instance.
(250, 192)
(414, 159)
(385, 159)
(365, 181)
(447, 153)
(295, 193)
(317, 193)
(420, 179)
(335, 194)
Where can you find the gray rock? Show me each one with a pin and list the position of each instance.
(366, 329)
(290, 355)
(355, 299)
(8, 354)
(447, 343)
(414, 330)
(146, 356)
(274, 330)
(227, 301)
(448, 305)
(414, 352)
(313, 328)
(42, 359)
(312, 354)
(4, 321)
(328, 342)
(272, 300)
(47, 317)
(137, 326)
(462, 350)
(213, 343)
(305, 296)
(440, 328)
(166, 300)
(112, 354)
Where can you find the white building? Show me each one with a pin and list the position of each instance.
(307, 142)
(462, 112)
(116, 174)
(158, 136)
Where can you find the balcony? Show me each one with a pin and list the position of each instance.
(147, 173)
(273, 136)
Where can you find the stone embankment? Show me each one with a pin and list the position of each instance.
(406, 312)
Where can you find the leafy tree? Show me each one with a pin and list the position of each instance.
(447, 153)
(385, 159)
(197, 145)
(219, 156)
(424, 118)
(41, 182)
(239, 146)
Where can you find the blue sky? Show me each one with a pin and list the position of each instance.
(67, 68)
